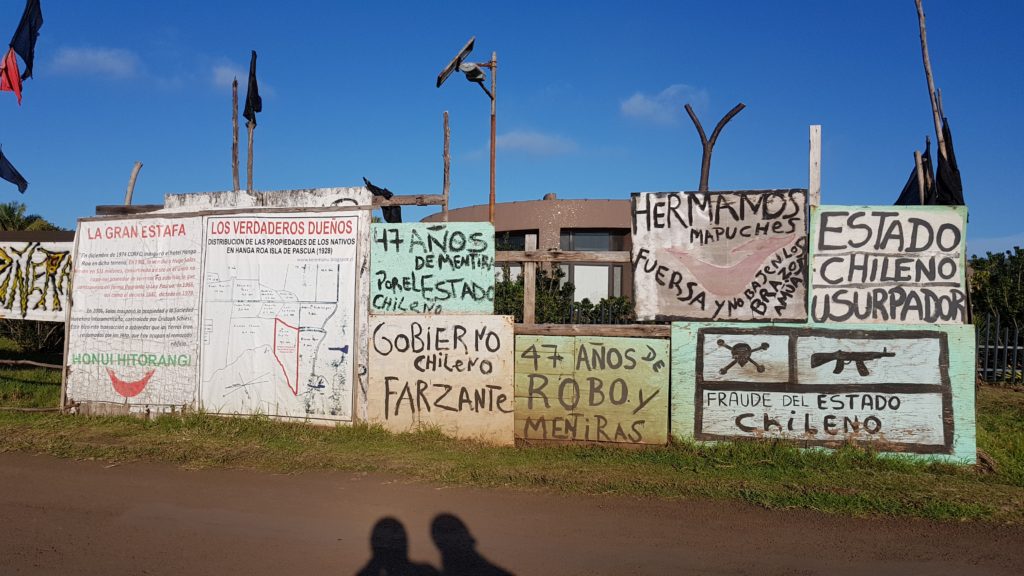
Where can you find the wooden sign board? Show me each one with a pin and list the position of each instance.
(738, 256)
(893, 388)
(901, 264)
(432, 268)
(35, 278)
(449, 371)
(592, 389)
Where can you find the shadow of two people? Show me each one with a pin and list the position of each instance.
(389, 544)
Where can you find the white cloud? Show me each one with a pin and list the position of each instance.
(114, 62)
(536, 143)
(223, 74)
(979, 246)
(665, 107)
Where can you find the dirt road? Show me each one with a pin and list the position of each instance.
(67, 517)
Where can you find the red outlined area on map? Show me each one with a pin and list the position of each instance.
(286, 345)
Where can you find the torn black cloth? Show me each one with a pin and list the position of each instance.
(392, 214)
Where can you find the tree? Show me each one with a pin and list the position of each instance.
(997, 287)
(13, 218)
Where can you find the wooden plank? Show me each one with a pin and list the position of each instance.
(30, 363)
(562, 256)
(430, 268)
(530, 283)
(626, 330)
(41, 236)
(814, 166)
(914, 392)
(410, 200)
(881, 264)
(592, 389)
(121, 209)
(453, 372)
(724, 256)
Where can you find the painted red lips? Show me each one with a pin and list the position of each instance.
(129, 388)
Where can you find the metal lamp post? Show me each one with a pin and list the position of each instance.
(474, 73)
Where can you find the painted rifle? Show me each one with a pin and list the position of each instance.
(842, 358)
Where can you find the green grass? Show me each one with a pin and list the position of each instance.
(774, 475)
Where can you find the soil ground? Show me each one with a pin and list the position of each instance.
(86, 517)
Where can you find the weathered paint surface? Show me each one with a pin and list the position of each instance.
(134, 336)
(738, 256)
(35, 278)
(449, 371)
(901, 264)
(592, 389)
(897, 388)
(306, 198)
(279, 314)
(421, 268)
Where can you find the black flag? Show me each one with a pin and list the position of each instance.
(392, 214)
(949, 189)
(24, 40)
(10, 173)
(253, 102)
(911, 194)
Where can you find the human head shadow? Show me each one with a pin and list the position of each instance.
(389, 545)
(459, 556)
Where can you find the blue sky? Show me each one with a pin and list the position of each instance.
(590, 98)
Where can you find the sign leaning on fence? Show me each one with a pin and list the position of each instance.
(449, 371)
(888, 264)
(34, 280)
(895, 389)
(720, 255)
(592, 389)
(432, 268)
(279, 314)
(135, 321)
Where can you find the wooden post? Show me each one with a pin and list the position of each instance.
(530, 283)
(919, 166)
(932, 95)
(447, 166)
(248, 164)
(494, 126)
(814, 166)
(709, 143)
(131, 184)
(234, 134)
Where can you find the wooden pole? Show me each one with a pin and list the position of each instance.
(919, 166)
(248, 163)
(530, 283)
(234, 134)
(131, 184)
(709, 143)
(447, 166)
(814, 166)
(932, 96)
(494, 127)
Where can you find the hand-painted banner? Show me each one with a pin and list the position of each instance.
(34, 280)
(895, 389)
(279, 304)
(135, 321)
(592, 389)
(432, 268)
(888, 264)
(449, 371)
(720, 256)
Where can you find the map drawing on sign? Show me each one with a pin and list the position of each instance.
(276, 341)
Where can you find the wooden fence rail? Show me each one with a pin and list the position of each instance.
(531, 257)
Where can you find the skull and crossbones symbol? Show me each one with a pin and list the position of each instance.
(741, 352)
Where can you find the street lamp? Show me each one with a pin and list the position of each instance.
(474, 72)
